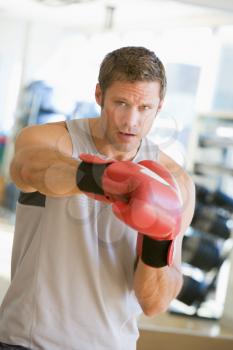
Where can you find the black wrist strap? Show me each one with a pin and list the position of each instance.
(154, 252)
(89, 177)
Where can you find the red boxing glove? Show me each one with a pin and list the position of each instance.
(153, 209)
(154, 206)
(153, 252)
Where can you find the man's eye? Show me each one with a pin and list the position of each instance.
(145, 108)
(121, 103)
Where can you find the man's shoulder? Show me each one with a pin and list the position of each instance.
(184, 182)
(38, 128)
(53, 135)
(174, 167)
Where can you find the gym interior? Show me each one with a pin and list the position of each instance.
(49, 57)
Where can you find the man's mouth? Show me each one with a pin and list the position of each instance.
(127, 134)
(126, 137)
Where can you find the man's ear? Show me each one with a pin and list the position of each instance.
(160, 106)
(98, 95)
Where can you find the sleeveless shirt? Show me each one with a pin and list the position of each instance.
(72, 269)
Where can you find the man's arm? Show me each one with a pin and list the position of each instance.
(42, 161)
(156, 287)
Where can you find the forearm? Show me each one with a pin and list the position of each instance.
(155, 288)
(45, 170)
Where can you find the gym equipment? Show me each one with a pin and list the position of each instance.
(201, 252)
(213, 220)
(216, 198)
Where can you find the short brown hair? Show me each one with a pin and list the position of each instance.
(132, 63)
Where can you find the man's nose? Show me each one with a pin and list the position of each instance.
(131, 118)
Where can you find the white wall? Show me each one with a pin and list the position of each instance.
(12, 34)
(25, 49)
(43, 39)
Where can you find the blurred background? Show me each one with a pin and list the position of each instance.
(50, 52)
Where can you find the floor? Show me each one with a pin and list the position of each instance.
(185, 325)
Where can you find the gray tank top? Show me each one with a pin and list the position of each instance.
(72, 269)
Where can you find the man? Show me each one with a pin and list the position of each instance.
(99, 216)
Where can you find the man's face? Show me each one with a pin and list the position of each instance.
(127, 112)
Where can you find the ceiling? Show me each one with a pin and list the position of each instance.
(98, 15)
(225, 5)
